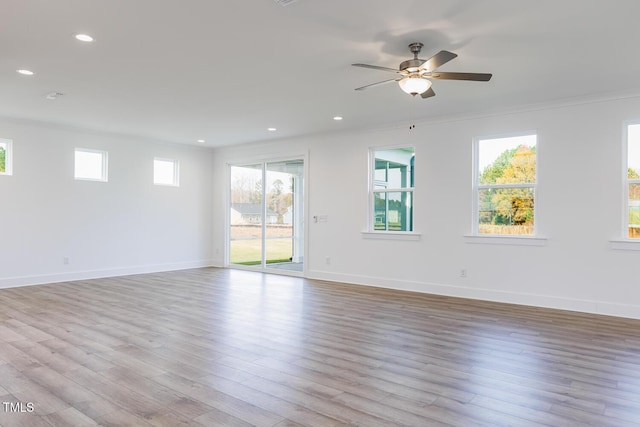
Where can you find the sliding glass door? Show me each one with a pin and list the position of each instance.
(245, 233)
(266, 218)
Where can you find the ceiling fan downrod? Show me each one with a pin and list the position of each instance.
(412, 65)
(415, 48)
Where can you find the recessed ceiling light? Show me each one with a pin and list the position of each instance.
(84, 38)
(26, 72)
(201, 141)
(337, 118)
(272, 129)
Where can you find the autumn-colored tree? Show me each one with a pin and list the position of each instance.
(509, 206)
(634, 210)
(517, 202)
(495, 170)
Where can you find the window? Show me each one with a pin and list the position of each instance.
(166, 172)
(505, 185)
(632, 182)
(5, 157)
(391, 189)
(91, 165)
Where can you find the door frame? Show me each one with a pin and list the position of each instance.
(264, 160)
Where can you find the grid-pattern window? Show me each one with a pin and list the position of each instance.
(632, 181)
(505, 185)
(391, 189)
(166, 172)
(5, 157)
(90, 165)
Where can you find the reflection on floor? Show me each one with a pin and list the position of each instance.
(289, 266)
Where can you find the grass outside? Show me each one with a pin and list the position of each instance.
(505, 229)
(634, 220)
(248, 252)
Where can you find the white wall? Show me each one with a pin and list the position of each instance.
(128, 225)
(579, 210)
(125, 226)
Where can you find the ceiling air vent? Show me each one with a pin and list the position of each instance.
(284, 2)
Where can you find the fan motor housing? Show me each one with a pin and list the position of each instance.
(411, 65)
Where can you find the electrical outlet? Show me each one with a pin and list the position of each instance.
(463, 272)
(65, 260)
(327, 260)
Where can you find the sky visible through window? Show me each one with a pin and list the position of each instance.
(89, 165)
(164, 172)
(490, 149)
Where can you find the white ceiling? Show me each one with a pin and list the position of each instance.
(179, 71)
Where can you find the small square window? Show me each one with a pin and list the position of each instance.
(91, 165)
(166, 172)
(5, 157)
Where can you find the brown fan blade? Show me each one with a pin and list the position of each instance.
(478, 77)
(438, 60)
(429, 93)
(376, 67)
(376, 84)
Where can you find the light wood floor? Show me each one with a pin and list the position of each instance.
(216, 347)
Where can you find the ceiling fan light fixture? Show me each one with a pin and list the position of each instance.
(414, 85)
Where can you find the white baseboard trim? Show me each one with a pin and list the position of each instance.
(546, 301)
(12, 282)
(217, 262)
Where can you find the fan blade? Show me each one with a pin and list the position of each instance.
(478, 77)
(429, 93)
(438, 60)
(376, 67)
(376, 84)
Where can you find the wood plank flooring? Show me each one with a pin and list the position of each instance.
(218, 347)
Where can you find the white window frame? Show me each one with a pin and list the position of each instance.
(371, 233)
(176, 172)
(104, 165)
(625, 242)
(627, 182)
(476, 236)
(8, 156)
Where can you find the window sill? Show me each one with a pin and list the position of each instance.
(506, 240)
(390, 235)
(625, 245)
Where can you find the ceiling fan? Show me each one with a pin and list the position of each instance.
(416, 74)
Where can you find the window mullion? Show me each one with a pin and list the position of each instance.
(393, 190)
(489, 186)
